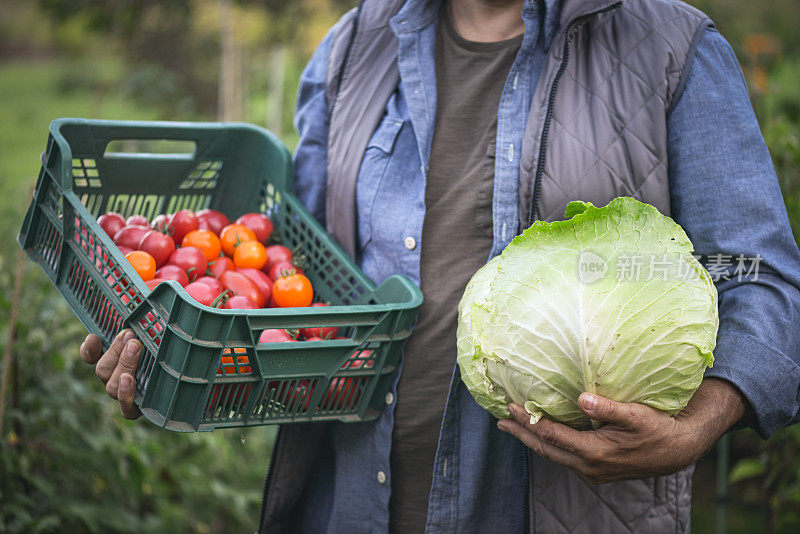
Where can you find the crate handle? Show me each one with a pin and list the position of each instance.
(160, 148)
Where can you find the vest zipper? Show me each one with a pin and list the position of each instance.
(268, 478)
(570, 33)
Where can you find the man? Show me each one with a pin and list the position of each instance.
(432, 133)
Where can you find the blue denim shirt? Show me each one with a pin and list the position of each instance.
(723, 192)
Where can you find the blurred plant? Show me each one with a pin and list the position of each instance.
(70, 463)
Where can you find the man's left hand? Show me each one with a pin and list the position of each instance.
(636, 441)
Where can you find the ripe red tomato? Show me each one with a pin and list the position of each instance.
(202, 293)
(190, 260)
(272, 303)
(124, 249)
(237, 302)
(213, 282)
(173, 272)
(212, 220)
(137, 220)
(293, 291)
(275, 335)
(275, 254)
(158, 245)
(259, 279)
(220, 265)
(151, 284)
(320, 332)
(240, 285)
(163, 223)
(129, 236)
(111, 223)
(343, 392)
(258, 223)
(283, 268)
(183, 222)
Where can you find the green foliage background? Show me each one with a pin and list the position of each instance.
(68, 461)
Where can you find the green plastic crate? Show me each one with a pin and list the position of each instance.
(202, 368)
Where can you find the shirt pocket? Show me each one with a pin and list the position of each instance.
(485, 192)
(373, 169)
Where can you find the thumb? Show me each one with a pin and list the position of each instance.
(608, 411)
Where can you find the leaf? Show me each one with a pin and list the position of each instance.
(747, 468)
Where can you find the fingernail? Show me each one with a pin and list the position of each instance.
(132, 348)
(512, 410)
(589, 401)
(125, 382)
(502, 424)
(128, 336)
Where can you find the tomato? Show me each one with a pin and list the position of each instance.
(258, 223)
(143, 263)
(205, 241)
(124, 249)
(240, 359)
(158, 245)
(283, 268)
(202, 293)
(275, 335)
(213, 282)
(190, 260)
(232, 235)
(343, 392)
(183, 222)
(212, 220)
(272, 303)
(151, 284)
(275, 254)
(163, 223)
(259, 279)
(321, 332)
(129, 236)
(250, 255)
(111, 223)
(293, 291)
(220, 265)
(240, 285)
(137, 220)
(173, 272)
(238, 302)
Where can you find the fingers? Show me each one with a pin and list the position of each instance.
(91, 349)
(548, 431)
(127, 362)
(125, 395)
(625, 414)
(537, 445)
(108, 362)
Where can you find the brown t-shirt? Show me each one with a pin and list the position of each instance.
(456, 242)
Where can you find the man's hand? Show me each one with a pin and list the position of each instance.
(637, 441)
(116, 367)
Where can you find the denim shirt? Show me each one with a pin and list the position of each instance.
(724, 193)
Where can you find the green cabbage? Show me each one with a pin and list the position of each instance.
(610, 301)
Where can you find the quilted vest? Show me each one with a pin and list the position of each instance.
(596, 130)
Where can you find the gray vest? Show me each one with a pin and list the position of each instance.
(597, 129)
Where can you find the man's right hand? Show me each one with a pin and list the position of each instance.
(116, 367)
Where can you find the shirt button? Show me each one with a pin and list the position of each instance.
(410, 243)
(389, 398)
(381, 477)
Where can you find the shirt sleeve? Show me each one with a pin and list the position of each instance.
(725, 194)
(311, 122)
